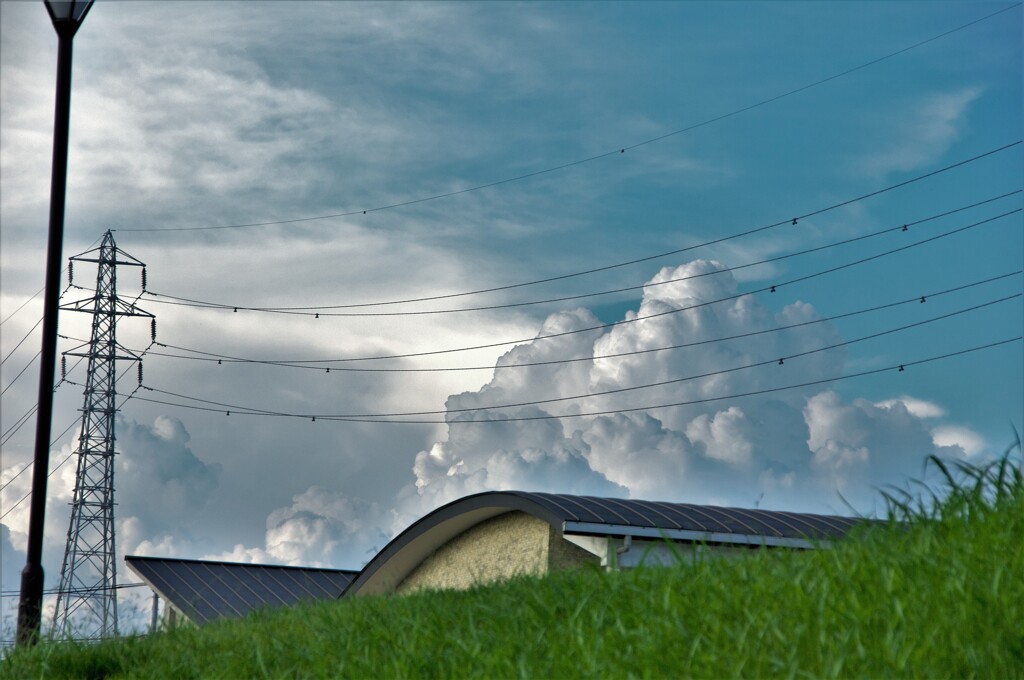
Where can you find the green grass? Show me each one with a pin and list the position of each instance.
(940, 594)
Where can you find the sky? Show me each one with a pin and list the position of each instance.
(496, 144)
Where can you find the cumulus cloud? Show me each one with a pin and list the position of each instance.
(967, 439)
(323, 528)
(857, 447)
(162, 486)
(319, 528)
(796, 449)
(918, 407)
(12, 561)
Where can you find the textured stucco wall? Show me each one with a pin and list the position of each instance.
(499, 548)
(502, 547)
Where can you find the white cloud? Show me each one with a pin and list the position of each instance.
(531, 455)
(160, 481)
(240, 553)
(136, 538)
(12, 561)
(860, 446)
(918, 407)
(967, 439)
(923, 133)
(636, 452)
(723, 436)
(324, 528)
(787, 450)
(299, 109)
(162, 487)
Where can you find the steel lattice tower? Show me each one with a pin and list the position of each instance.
(87, 597)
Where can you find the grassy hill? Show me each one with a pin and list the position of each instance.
(939, 595)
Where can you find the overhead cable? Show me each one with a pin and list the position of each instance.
(40, 292)
(20, 307)
(52, 443)
(636, 319)
(11, 431)
(30, 362)
(75, 591)
(309, 364)
(20, 342)
(613, 152)
(311, 311)
(648, 258)
(901, 367)
(780, 360)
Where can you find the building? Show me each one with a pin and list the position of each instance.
(200, 591)
(493, 536)
(499, 534)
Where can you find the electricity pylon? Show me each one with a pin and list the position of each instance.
(87, 597)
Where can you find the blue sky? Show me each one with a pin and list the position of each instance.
(199, 114)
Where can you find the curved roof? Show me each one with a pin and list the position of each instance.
(587, 515)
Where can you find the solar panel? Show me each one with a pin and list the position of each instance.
(204, 590)
(687, 517)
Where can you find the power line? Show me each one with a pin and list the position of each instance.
(769, 288)
(29, 464)
(614, 152)
(901, 367)
(11, 431)
(50, 474)
(306, 363)
(23, 339)
(37, 294)
(76, 591)
(20, 342)
(245, 410)
(788, 221)
(70, 455)
(30, 330)
(309, 311)
(21, 306)
(31, 361)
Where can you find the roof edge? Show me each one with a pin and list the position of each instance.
(689, 536)
(150, 558)
(420, 539)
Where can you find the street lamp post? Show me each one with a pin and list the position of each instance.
(67, 16)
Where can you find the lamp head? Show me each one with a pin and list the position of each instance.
(67, 15)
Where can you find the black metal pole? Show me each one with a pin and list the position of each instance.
(31, 600)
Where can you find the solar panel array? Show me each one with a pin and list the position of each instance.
(204, 591)
(686, 517)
